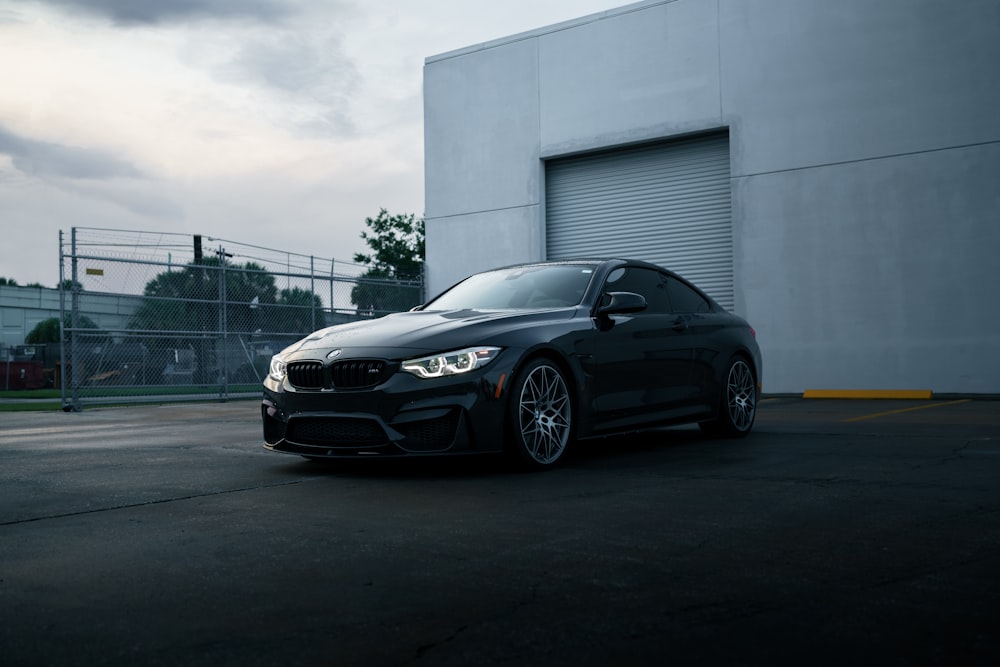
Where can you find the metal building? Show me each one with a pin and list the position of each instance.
(829, 170)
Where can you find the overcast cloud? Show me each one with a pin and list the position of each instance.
(48, 160)
(278, 123)
(151, 12)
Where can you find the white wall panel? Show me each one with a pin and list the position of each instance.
(632, 77)
(482, 143)
(811, 82)
(881, 274)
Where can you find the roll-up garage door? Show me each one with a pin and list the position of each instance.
(667, 203)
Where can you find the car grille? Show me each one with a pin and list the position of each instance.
(357, 373)
(430, 434)
(334, 432)
(305, 374)
(347, 374)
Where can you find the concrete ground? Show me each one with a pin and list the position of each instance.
(839, 531)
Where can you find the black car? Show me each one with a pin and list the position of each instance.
(523, 359)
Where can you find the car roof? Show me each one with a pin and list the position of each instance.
(609, 262)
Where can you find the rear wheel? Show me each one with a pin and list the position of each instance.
(737, 404)
(540, 416)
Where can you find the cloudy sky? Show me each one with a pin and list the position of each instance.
(279, 123)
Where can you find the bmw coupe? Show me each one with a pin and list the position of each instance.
(524, 360)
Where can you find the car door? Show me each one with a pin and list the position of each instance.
(701, 328)
(640, 363)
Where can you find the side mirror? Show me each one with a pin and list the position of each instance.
(618, 303)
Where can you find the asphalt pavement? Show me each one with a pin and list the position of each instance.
(839, 532)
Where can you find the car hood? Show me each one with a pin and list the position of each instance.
(420, 332)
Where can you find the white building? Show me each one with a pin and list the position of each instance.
(828, 170)
(23, 308)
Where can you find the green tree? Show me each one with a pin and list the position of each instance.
(396, 258)
(298, 311)
(183, 302)
(188, 300)
(10, 282)
(248, 287)
(47, 331)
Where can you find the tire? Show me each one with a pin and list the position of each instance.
(737, 404)
(540, 416)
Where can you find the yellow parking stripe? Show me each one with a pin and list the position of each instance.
(918, 407)
(869, 393)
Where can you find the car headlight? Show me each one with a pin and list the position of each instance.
(451, 363)
(277, 369)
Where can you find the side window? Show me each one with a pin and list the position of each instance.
(648, 283)
(686, 300)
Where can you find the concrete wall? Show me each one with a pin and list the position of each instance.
(866, 158)
(865, 148)
(481, 122)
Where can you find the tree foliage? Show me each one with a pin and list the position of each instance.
(10, 282)
(397, 244)
(396, 258)
(300, 310)
(47, 331)
(189, 300)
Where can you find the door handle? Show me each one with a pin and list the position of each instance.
(679, 325)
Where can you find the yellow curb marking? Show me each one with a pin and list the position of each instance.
(869, 393)
(895, 412)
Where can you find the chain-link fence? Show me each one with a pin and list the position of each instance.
(199, 317)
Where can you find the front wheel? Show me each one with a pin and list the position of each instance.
(737, 404)
(540, 416)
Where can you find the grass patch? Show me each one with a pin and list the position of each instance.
(31, 393)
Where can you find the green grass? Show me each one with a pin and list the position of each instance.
(31, 393)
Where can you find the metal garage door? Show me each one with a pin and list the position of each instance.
(667, 203)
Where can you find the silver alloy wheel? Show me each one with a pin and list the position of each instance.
(741, 394)
(544, 415)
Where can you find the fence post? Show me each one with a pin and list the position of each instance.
(423, 282)
(74, 323)
(62, 317)
(223, 325)
(332, 261)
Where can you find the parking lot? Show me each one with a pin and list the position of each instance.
(839, 531)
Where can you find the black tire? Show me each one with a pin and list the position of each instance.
(737, 403)
(539, 416)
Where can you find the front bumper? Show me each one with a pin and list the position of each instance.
(403, 416)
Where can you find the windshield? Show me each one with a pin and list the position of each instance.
(524, 287)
